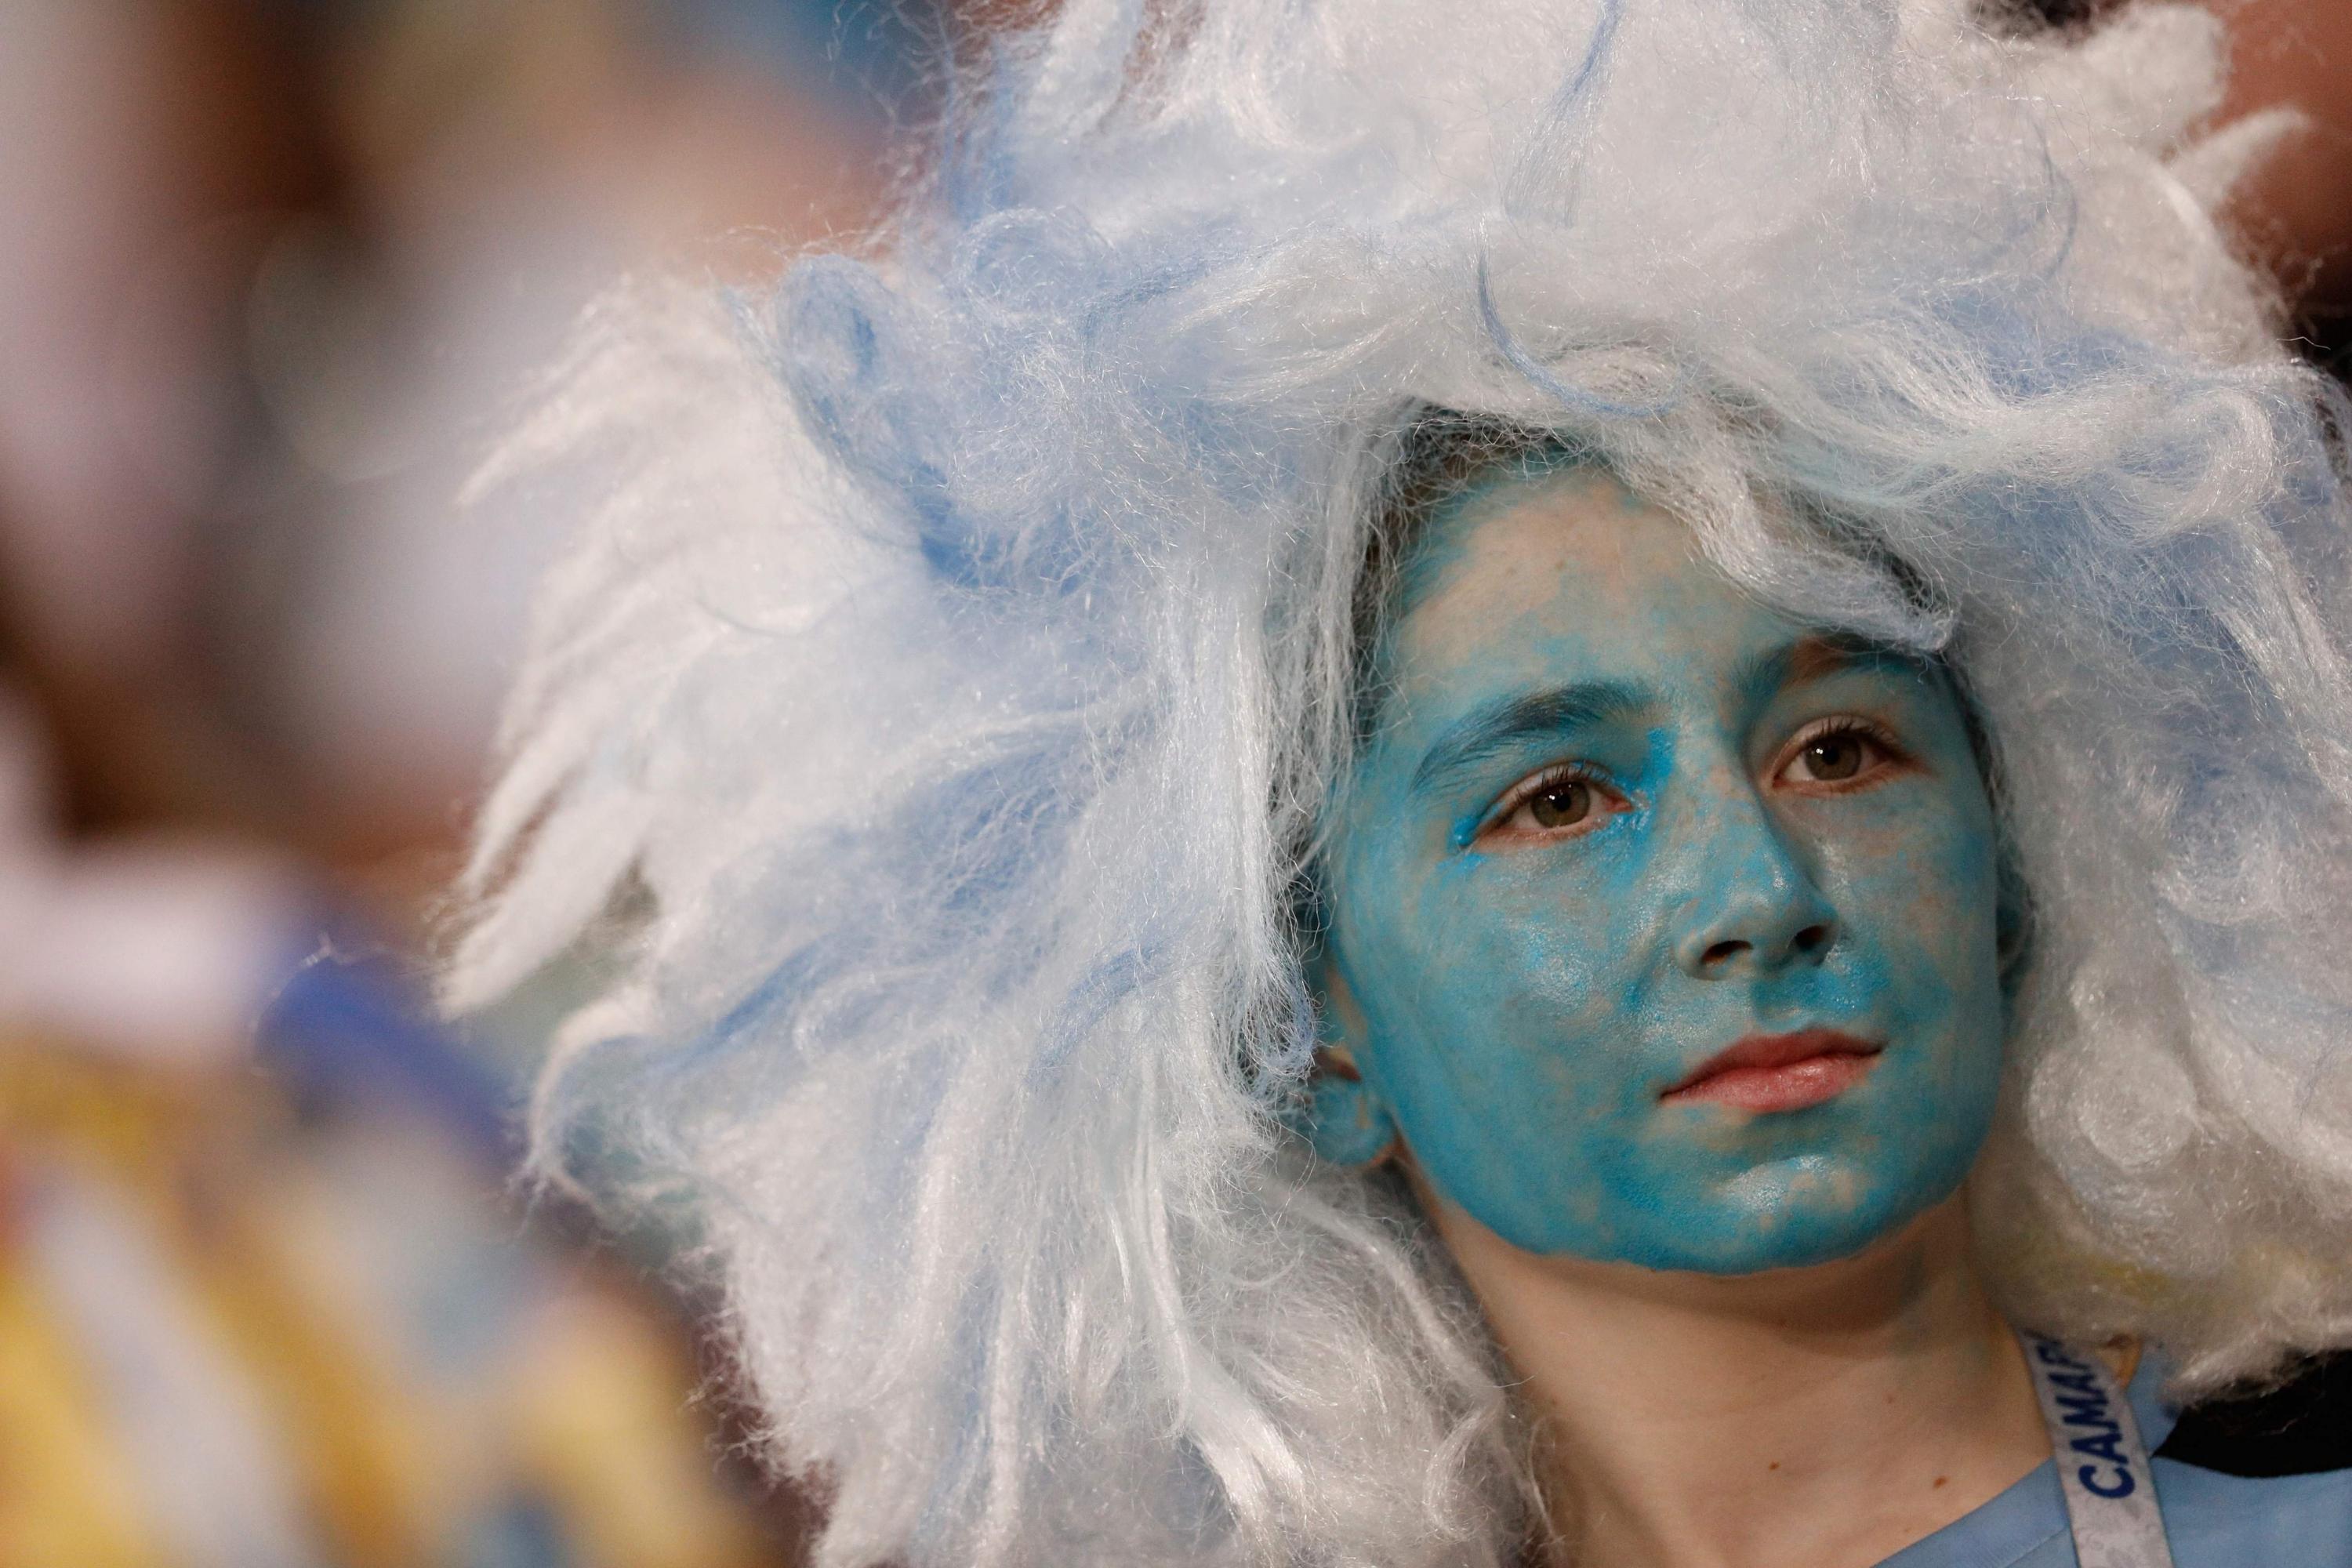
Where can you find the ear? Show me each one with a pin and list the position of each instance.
(1353, 1126)
(1350, 1123)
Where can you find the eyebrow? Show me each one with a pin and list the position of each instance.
(1495, 727)
(1816, 656)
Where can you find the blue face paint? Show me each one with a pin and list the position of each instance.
(1617, 815)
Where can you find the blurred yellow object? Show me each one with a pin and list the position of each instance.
(67, 1496)
(339, 1327)
(368, 1445)
(593, 1379)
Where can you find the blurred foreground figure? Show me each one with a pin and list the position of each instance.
(248, 1321)
(265, 272)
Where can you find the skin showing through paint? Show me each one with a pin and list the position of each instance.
(1662, 950)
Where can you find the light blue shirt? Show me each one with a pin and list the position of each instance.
(2213, 1520)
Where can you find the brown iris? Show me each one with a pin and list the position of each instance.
(1562, 804)
(1835, 757)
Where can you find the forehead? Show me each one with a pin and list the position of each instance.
(1568, 568)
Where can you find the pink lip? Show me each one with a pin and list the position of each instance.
(1777, 1072)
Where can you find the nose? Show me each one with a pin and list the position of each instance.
(1754, 907)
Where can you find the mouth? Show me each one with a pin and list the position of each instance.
(1777, 1072)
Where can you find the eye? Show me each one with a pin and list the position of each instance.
(1562, 804)
(1836, 752)
(1557, 802)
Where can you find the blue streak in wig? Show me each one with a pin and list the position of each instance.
(1206, 253)
(1542, 376)
(1574, 101)
(2063, 202)
(834, 313)
(1106, 984)
(968, 1372)
(993, 830)
(756, 1018)
(1042, 307)
(841, 332)
(952, 550)
(2024, 344)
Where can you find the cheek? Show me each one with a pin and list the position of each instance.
(1491, 987)
(1471, 935)
(1923, 903)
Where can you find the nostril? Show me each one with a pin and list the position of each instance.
(1733, 954)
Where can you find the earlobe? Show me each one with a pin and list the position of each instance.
(1352, 1124)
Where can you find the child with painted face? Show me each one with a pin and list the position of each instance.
(1662, 925)
(1662, 950)
(1436, 786)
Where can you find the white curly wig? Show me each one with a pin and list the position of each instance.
(924, 731)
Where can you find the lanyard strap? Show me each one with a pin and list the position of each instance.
(2102, 1465)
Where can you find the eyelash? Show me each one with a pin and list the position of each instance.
(1546, 779)
(1833, 727)
(1836, 726)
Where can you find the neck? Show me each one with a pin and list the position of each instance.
(1826, 1416)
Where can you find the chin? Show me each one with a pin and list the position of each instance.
(1795, 1215)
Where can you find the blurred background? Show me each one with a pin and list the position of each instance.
(272, 272)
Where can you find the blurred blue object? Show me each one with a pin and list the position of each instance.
(351, 1031)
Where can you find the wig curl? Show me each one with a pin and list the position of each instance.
(924, 731)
